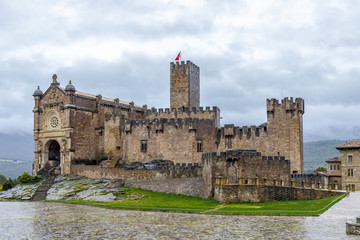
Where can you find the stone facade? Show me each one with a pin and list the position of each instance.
(334, 173)
(350, 165)
(72, 127)
(252, 193)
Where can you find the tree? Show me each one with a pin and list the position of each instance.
(320, 169)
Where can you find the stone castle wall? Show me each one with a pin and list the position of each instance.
(165, 172)
(167, 139)
(183, 113)
(306, 180)
(244, 165)
(245, 193)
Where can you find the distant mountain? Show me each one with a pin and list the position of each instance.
(17, 146)
(16, 154)
(317, 152)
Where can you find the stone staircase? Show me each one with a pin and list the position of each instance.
(40, 194)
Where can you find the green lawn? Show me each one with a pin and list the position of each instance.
(156, 201)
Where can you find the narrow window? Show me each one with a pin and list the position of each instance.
(352, 172)
(348, 173)
(350, 158)
(228, 141)
(144, 146)
(199, 147)
(338, 167)
(330, 167)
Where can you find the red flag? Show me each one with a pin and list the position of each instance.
(178, 57)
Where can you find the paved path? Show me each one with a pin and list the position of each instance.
(349, 207)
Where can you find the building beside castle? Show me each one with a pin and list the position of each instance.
(73, 127)
(344, 171)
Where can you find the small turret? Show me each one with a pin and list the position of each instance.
(70, 92)
(70, 87)
(38, 92)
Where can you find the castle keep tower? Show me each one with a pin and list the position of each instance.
(184, 85)
(285, 127)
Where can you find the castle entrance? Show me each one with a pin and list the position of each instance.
(54, 151)
(52, 155)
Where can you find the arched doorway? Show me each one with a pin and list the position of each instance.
(54, 151)
(52, 155)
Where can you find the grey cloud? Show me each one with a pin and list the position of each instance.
(306, 62)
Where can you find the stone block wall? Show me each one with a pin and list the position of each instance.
(244, 164)
(307, 180)
(165, 172)
(183, 113)
(244, 193)
(167, 139)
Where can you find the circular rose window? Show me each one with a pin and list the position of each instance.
(54, 122)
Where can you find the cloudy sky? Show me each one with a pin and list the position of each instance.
(247, 51)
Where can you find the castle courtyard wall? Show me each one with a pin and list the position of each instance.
(180, 179)
(245, 193)
(244, 166)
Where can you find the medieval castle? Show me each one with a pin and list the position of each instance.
(85, 134)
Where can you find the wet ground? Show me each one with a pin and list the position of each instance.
(44, 220)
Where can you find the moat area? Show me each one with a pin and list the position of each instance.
(45, 220)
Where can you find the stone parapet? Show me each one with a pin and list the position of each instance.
(253, 193)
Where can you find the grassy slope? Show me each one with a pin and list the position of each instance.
(180, 203)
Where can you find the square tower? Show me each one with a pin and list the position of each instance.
(184, 85)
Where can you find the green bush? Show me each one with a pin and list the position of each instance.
(25, 178)
(7, 185)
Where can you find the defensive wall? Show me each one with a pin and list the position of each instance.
(243, 166)
(178, 179)
(186, 112)
(307, 180)
(176, 139)
(183, 170)
(226, 193)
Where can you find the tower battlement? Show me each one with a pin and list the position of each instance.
(287, 105)
(158, 124)
(244, 132)
(200, 113)
(175, 66)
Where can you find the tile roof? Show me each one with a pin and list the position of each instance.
(334, 159)
(350, 145)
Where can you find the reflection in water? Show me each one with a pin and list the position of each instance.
(43, 220)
